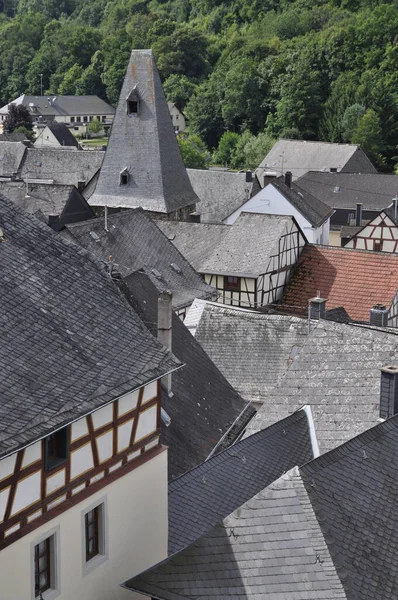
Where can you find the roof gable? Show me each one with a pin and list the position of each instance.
(11, 158)
(143, 142)
(67, 166)
(315, 211)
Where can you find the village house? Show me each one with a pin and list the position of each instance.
(75, 111)
(325, 529)
(11, 157)
(83, 476)
(301, 156)
(248, 262)
(221, 192)
(55, 135)
(177, 117)
(281, 196)
(348, 283)
(143, 166)
(380, 234)
(130, 240)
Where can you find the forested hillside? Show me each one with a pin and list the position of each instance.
(260, 69)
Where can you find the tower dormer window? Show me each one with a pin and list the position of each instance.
(133, 102)
(124, 177)
(132, 106)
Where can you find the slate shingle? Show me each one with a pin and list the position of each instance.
(66, 166)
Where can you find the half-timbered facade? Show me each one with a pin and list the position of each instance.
(83, 477)
(251, 266)
(380, 234)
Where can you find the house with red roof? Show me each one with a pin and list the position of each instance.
(349, 279)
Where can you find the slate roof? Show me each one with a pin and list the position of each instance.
(301, 156)
(62, 106)
(63, 200)
(220, 192)
(12, 137)
(337, 373)
(61, 132)
(207, 494)
(144, 144)
(253, 350)
(312, 209)
(69, 341)
(134, 241)
(353, 279)
(270, 547)
(203, 405)
(66, 166)
(248, 246)
(195, 241)
(353, 490)
(343, 190)
(11, 157)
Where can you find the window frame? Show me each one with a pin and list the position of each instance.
(378, 243)
(102, 556)
(53, 537)
(232, 287)
(51, 463)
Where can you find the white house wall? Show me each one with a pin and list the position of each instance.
(380, 229)
(270, 201)
(136, 507)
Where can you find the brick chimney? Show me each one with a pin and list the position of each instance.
(165, 317)
(288, 178)
(317, 308)
(389, 391)
(53, 221)
(379, 315)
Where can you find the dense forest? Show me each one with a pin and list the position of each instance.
(244, 71)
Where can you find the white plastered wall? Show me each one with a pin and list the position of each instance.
(137, 538)
(270, 201)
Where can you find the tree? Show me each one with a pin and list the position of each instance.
(193, 151)
(368, 135)
(350, 120)
(226, 148)
(95, 126)
(178, 89)
(18, 116)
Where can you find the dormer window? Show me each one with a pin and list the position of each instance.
(124, 177)
(132, 102)
(132, 107)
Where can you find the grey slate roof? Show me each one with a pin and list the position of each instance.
(220, 192)
(63, 200)
(204, 496)
(69, 341)
(343, 190)
(337, 373)
(195, 241)
(270, 547)
(62, 133)
(204, 405)
(12, 137)
(11, 157)
(62, 106)
(248, 245)
(354, 490)
(300, 156)
(134, 241)
(312, 209)
(64, 166)
(253, 350)
(143, 143)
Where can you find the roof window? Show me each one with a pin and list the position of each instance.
(336, 189)
(124, 177)
(132, 102)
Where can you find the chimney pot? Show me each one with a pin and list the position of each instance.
(317, 308)
(81, 185)
(249, 176)
(165, 318)
(358, 215)
(379, 315)
(389, 391)
(288, 178)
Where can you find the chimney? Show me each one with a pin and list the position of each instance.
(249, 176)
(53, 221)
(81, 185)
(388, 391)
(317, 308)
(165, 316)
(358, 215)
(288, 178)
(379, 315)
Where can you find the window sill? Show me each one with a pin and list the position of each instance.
(49, 594)
(93, 564)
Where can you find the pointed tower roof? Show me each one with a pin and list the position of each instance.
(143, 164)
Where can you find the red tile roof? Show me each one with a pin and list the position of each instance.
(354, 279)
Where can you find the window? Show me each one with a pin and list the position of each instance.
(176, 128)
(78, 119)
(176, 116)
(98, 118)
(84, 119)
(124, 177)
(95, 543)
(91, 119)
(45, 565)
(103, 119)
(377, 245)
(72, 119)
(91, 533)
(132, 107)
(76, 129)
(56, 448)
(232, 284)
(42, 566)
